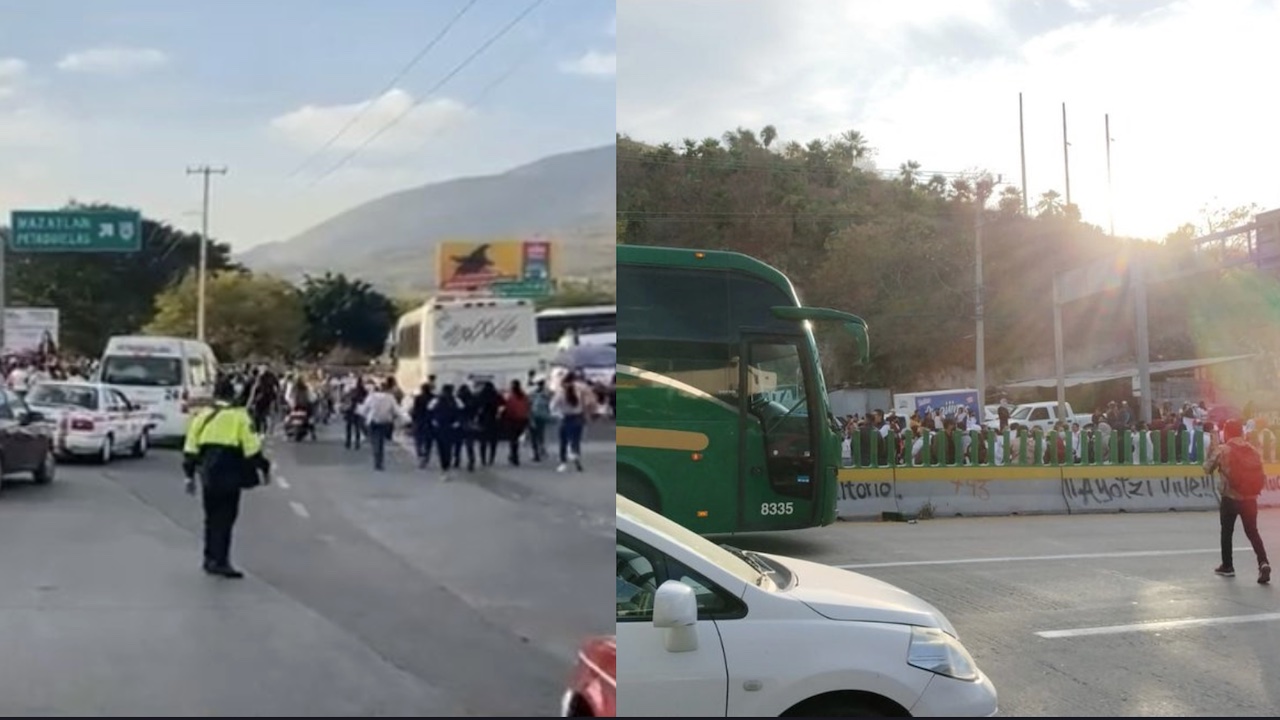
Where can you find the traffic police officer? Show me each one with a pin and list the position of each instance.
(225, 454)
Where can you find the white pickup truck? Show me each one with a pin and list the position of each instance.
(1042, 415)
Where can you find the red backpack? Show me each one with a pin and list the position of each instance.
(1247, 477)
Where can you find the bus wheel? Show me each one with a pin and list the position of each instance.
(638, 490)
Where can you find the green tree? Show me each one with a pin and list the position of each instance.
(578, 296)
(898, 249)
(105, 294)
(248, 317)
(344, 312)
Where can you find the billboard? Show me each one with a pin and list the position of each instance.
(26, 329)
(948, 401)
(478, 266)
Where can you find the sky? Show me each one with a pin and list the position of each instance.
(937, 82)
(113, 100)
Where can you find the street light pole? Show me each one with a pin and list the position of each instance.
(203, 270)
(980, 351)
(1111, 208)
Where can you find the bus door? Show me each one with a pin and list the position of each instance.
(778, 435)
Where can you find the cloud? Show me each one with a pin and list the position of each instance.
(312, 126)
(113, 60)
(592, 63)
(927, 81)
(33, 128)
(12, 72)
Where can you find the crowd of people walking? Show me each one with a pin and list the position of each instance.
(452, 427)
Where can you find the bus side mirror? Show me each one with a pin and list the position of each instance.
(863, 340)
(854, 325)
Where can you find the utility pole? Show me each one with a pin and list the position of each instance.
(1022, 144)
(203, 271)
(981, 188)
(1111, 206)
(1066, 154)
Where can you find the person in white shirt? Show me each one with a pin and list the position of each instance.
(20, 379)
(574, 403)
(381, 411)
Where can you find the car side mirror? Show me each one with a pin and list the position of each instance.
(29, 416)
(675, 611)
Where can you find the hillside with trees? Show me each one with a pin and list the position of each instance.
(898, 249)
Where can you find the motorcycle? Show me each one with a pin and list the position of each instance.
(298, 425)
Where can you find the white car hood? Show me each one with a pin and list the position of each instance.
(844, 595)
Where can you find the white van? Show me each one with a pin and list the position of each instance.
(167, 376)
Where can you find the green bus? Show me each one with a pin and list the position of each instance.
(695, 327)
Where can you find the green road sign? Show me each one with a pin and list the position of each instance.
(75, 231)
(521, 288)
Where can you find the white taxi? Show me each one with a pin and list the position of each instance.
(92, 419)
(706, 630)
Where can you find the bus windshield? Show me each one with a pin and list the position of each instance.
(142, 370)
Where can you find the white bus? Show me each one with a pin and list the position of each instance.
(590, 325)
(464, 341)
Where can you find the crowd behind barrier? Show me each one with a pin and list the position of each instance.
(917, 472)
(987, 447)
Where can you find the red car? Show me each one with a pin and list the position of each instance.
(594, 683)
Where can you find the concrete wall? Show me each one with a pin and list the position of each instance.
(867, 493)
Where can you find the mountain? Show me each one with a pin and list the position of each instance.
(390, 241)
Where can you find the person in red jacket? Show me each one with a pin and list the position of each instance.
(1241, 479)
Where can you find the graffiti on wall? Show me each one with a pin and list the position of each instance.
(1105, 491)
(865, 490)
(972, 488)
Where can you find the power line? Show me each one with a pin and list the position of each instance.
(443, 81)
(389, 87)
(494, 84)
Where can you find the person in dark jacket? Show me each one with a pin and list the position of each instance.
(446, 416)
(352, 399)
(470, 430)
(420, 416)
(223, 455)
(262, 399)
(488, 405)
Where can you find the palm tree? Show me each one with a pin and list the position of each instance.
(1050, 205)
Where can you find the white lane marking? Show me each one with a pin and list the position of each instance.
(282, 483)
(299, 509)
(1159, 625)
(1035, 558)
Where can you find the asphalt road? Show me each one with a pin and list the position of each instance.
(1093, 584)
(367, 594)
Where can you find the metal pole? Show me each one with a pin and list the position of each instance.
(980, 351)
(1022, 143)
(202, 271)
(1066, 153)
(1111, 209)
(1059, 352)
(1139, 275)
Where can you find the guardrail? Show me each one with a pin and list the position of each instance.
(971, 473)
